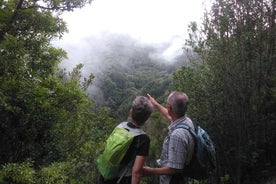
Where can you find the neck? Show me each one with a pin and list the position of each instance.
(135, 124)
(174, 118)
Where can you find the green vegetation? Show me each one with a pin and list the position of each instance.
(48, 132)
(52, 131)
(232, 88)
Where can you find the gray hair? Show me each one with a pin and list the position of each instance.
(179, 102)
(141, 110)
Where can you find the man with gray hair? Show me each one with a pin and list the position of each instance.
(178, 145)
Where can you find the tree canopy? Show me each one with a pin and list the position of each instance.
(232, 85)
(46, 122)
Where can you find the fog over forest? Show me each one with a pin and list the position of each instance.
(93, 50)
(99, 54)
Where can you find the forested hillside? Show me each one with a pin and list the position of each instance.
(126, 69)
(54, 122)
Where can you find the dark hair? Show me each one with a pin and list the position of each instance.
(141, 110)
(179, 102)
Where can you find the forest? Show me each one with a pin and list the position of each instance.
(54, 122)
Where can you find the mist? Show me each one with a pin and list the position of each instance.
(93, 51)
(99, 53)
(102, 54)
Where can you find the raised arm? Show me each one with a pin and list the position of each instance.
(161, 108)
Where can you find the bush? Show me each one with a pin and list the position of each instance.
(22, 173)
(56, 173)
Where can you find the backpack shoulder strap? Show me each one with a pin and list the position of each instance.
(134, 131)
(185, 126)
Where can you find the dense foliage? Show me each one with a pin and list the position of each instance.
(232, 87)
(48, 132)
(51, 132)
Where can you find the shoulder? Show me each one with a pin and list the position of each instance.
(189, 122)
(141, 144)
(180, 133)
(143, 137)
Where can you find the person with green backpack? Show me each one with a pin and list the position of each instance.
(127, 147)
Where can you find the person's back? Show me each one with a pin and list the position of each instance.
(139, 147)
(177, 151)
(133, 161)
(178, 145)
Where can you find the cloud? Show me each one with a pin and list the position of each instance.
(94, 50)
(160, 23)
(150, 21)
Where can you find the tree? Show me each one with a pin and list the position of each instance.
(28, 64)
(237, 45)
(46, 117)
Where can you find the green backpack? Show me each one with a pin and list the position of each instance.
(108, 163)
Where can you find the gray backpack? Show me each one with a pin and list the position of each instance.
(203, 161)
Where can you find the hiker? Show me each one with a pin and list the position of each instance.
(139, 148)
(178, 145)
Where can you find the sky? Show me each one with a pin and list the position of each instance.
(153, 22)
(150, 21)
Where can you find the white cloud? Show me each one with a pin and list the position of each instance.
(151, 21)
